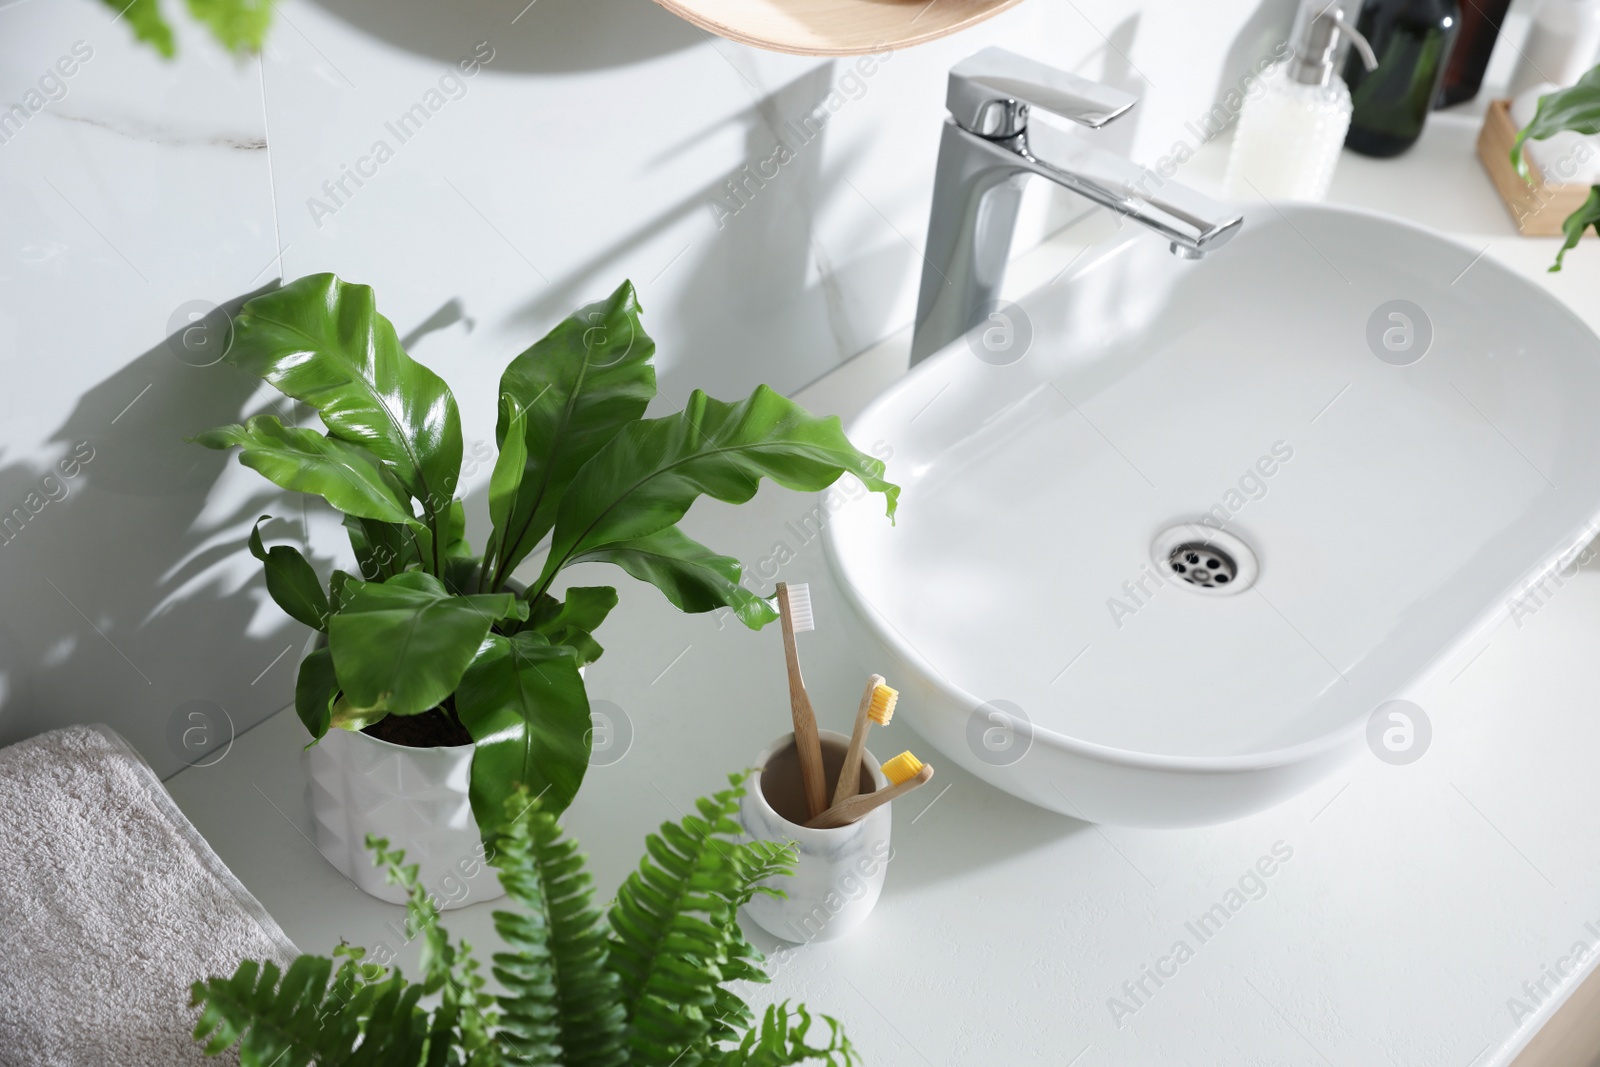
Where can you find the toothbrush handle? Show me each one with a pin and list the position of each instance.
(854, 809)
(850, 783)
(806, 743)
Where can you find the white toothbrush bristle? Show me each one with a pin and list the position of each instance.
(800, 608)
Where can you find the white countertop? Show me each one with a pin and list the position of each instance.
(1414, 903)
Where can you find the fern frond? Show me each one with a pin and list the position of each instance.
(764, 860)
(465, 1018)
(288, 1019)
(654, 992)
(560, 1005)
(757, 861)
(675, 933)
(781, 1041)
(396, 1030)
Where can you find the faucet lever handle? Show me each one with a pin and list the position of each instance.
(990, 93)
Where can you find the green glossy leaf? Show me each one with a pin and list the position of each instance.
(574, 621)
(322, 341)
(568, 396)
(524, 704)
(693, 577)
(402, 645)
(1576, 107)
(382, 549)
(453, 531)
(1586, 216)
(309, 462)
(653, 470)
(291, 581)
(338, 588)
(314, 691)
(504, 482)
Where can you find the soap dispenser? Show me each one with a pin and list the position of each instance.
(1290, 133)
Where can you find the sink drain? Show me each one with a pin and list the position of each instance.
(1205, 559)
(1204, 565)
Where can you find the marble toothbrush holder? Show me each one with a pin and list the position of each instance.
(839, 874)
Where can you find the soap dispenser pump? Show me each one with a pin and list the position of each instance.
(1290, 133)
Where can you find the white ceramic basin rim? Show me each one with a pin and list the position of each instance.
(1398, 480)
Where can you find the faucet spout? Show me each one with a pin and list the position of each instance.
(978, 189)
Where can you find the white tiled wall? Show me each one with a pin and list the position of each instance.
(590, 143)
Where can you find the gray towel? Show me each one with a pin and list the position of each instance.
(111, 904)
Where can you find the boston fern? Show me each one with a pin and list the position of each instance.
(431, 623)
(646, 987)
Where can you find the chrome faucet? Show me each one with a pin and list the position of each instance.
(986, 152)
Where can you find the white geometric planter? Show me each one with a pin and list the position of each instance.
(416, 797)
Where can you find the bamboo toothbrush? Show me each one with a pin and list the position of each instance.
(877, 706)
(905, 771)
(794, 607)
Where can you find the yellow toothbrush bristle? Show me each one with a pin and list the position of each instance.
(881, 709)
(902, 768)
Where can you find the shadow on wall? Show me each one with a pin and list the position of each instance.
(566, 36)
(115, 561)
(129, 591)
(758, 219)
(1266, 30)
(771, 238)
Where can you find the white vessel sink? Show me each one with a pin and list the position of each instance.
(1405, 506)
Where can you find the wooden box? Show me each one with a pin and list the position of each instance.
(1538, 208)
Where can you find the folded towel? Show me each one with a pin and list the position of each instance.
(111, 904)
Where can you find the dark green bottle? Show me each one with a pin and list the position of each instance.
(1412, 39)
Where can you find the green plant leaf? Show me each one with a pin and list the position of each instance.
(314, 691)
(560, 1004)
(655, 985)
(1576, 107)
(453, 531)
(144, 17)
(291, 581)
(504, 483)
(309, 462)
(1587, 215)
(382, 549)
(675, 934)
(693, 577)
(465, 1018)
(240, 26)
(782, 1040)
(338, 587)
(524, 704)
(566, 397)
(346, 716)
(573, 622)
(322, 341)
(402, 645)
(653, 470)
(297, 1017)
